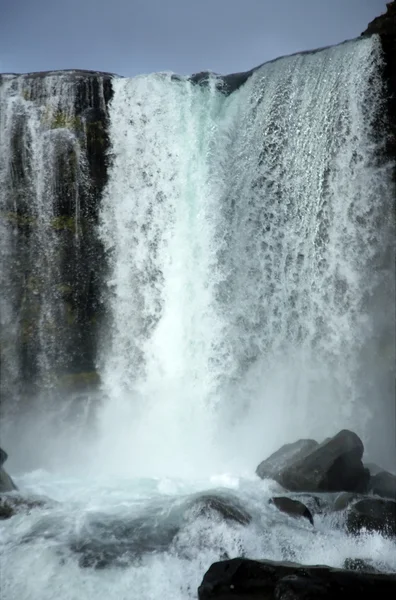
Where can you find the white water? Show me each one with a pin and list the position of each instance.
(247, 301)
(245, 237)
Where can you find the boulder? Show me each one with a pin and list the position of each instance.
(10, 504)
(383, 484)
(372, 514)
(227, 507)
(246, 579)
(345, 499)
(333, 466)
(358, 564)
(6, 483)
(3, 456)
(293, 508)
(274, 466)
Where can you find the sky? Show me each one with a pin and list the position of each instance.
(128, 37)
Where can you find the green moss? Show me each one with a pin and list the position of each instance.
(96, 132)
(70, 314)
(61, 120)
(78, 381)
(18, 220)
(64, 223)
(26, 94)
(64, 289)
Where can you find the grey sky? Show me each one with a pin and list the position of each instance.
(185, 36)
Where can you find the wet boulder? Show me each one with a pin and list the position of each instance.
(343, 500)
(11, 504)
(274, 466)
(383, 484)
(333, 466)
(245, 579)
(3, 456)
(226, 507)
(372, 514)
(293, 508)
(358, 564)
(6, 483)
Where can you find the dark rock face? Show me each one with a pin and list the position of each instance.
(383, 484)
(56, 143)
(3, 456)
(6, 483)
(250, 580)
(372, 514)
(385, 26)
(274, 466)
(293, 508)
(335, 465)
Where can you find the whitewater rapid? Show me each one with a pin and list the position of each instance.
(39, 560)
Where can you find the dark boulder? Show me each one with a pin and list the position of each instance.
(253, 580)
(10, 504)
(358, 564)
(293, 508)
(344, 500)
(227, 507)
(372, 514)
(333, 466)
(274, 466)
(3, 456)
(383, 484)
(6, 483)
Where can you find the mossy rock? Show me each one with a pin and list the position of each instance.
(18, 220)
(64, 223)
(60, 120)
(79, 381)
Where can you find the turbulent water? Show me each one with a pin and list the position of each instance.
(249, 295)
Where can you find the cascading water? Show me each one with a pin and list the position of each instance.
(250, 295)
(247, 238)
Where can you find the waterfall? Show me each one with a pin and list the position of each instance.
(250, 276)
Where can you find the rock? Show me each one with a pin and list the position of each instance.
(343, 500)
(273, 466)
(358, 564)
(228, 507)
(246, 579)
(383, 484)
(384, 24)
(373, 468)
(335, 465)
(293, 508)
(6, 483)
(372, 514)
(10, 504)
(108, 541)
(3, 456)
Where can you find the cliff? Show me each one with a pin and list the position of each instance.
(54, 156)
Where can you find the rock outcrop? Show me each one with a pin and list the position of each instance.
(372, 514)
(293, 508)
(251, 579)
(6, 483)
(335, 465)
